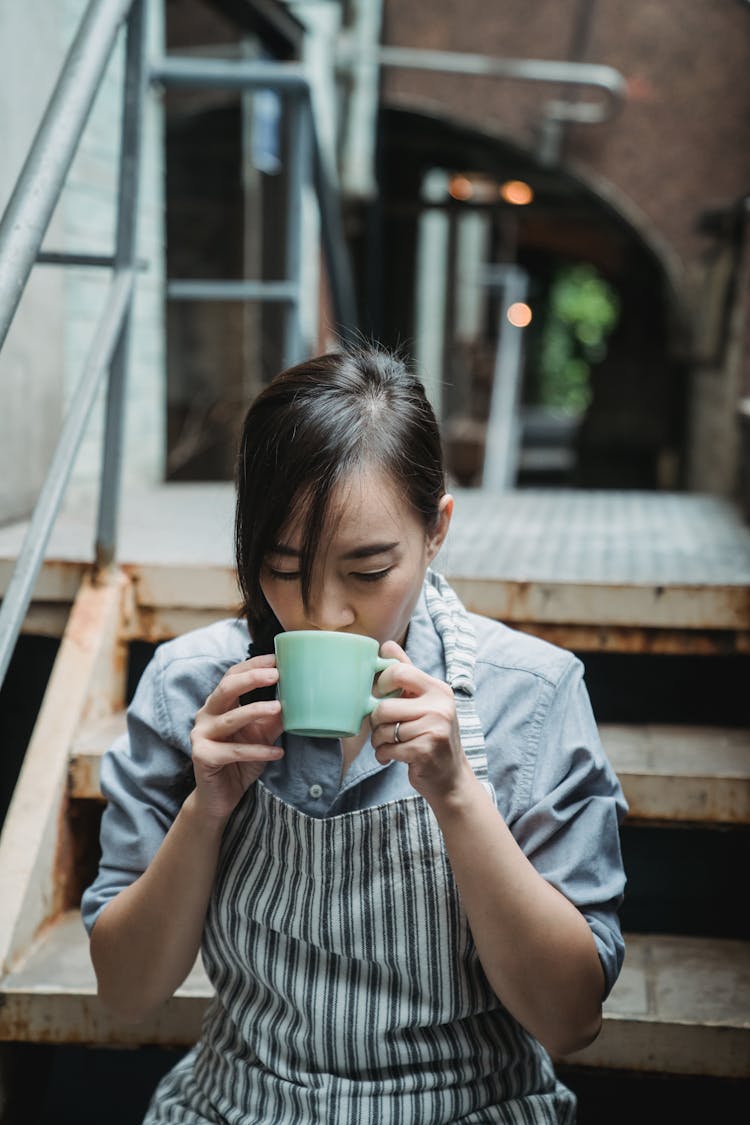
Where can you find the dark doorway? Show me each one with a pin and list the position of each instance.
(626, 427)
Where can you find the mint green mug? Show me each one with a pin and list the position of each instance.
(325, 681)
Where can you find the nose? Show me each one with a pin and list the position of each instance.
(329, 608)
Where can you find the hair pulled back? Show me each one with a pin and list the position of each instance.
(307, 431)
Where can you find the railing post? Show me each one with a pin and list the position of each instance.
(503, 441)
(125, 259)
(298, 154)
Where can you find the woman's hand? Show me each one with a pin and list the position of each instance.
(232, 743)
(429, 740)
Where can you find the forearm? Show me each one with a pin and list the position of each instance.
(536, 948)
(146, 940)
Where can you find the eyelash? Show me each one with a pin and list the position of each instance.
(374, 575)
(284, 575)
(293, 575)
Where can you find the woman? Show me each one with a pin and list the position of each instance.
(398, 924)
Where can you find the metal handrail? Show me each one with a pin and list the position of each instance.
(22, 229)
(601, 77)
(556, 113)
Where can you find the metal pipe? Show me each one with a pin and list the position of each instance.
(297, 168)
(134, 92)
(39, 185)
(604, 78)
(61, 258)
(503, 440)
(21, 585)
(99, 261)
(333, 238)
(228, 74)
(232, 290)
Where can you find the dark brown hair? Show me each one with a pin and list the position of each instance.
(307, 431)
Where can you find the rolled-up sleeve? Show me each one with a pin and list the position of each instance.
(568, 814)
(143, 778)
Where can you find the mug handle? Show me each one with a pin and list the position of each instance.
(381, 663)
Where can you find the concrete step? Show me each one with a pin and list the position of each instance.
(698, 775)
(681, 1005)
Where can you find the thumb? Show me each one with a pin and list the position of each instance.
(393, 651)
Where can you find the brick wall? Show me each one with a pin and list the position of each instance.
(679, 147)
(681, 142)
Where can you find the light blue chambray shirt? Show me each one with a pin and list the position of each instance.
(553, 783)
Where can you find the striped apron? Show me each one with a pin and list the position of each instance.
(348, 988)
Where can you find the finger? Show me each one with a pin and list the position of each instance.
(401, 709)
(216, 755)
(236, 683)
(406, 678)
(228, 723)
(270, 726)
(267, 660)
(396, 734)
(394, 752)
(393, 651)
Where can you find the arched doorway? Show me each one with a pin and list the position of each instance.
(626, 427)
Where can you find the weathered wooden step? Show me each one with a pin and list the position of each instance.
(87, 751)
(681, 1005)
(51, 998)
(681, 773)
(669, 773)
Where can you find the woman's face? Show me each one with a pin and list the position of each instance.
(369, 572)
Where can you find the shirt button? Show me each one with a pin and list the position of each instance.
(316, 791)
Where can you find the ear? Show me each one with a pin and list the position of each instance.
(437, 537)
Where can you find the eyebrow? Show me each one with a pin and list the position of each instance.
(364, 552)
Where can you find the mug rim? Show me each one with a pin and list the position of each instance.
(318, 633)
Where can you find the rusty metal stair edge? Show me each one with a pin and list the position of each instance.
(88, 677)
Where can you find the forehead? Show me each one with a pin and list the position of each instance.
(366, 507)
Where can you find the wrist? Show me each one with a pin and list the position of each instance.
(462, 800)
(202, 820)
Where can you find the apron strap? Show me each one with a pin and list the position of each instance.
(458, 637)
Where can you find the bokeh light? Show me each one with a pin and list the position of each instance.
(517, 192)
(460, 187)
(519, 314)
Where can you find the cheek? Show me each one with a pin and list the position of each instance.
(395, 607)
(281, 601)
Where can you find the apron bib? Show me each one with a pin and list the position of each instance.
(348, 989)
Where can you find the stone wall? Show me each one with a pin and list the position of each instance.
(31, 362)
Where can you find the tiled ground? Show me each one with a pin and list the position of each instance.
(534, 535)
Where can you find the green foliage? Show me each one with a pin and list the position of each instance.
(581, 314)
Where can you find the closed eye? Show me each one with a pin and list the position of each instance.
(284, 575)
(372, 575)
